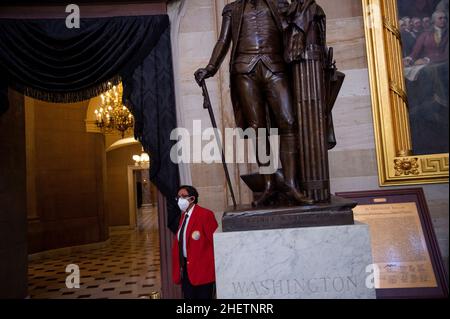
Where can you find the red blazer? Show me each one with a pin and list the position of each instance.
(199, 246)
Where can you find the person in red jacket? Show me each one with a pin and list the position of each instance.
(193, 251)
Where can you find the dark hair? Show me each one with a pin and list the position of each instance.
(190, 190)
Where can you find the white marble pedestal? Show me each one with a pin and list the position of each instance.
(301, 263)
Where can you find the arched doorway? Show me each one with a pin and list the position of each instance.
(21, 253)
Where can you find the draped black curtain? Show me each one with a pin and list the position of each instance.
(45, 60)
(151, 95)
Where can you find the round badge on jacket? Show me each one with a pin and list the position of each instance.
(196, 235)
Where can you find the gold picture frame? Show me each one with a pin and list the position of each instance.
(397, 165)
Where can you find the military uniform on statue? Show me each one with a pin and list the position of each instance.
(259, 75)
(282, 75)
(192, 251)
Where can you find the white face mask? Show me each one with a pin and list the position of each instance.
(183, 203)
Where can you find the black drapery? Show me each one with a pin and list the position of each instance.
(45, 60)
(150, 93)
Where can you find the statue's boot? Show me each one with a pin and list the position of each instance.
(269, 191)
(289, 161)
(269, 181)
(299, 196)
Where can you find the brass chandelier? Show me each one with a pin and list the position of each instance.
(112, 114)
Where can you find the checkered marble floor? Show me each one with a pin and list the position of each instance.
(127, 268)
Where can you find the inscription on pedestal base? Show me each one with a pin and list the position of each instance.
(312, 262)
(337, 212)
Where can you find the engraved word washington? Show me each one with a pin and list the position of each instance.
(311, 286)
(271, 287)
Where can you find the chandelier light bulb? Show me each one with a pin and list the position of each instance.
(145, 157)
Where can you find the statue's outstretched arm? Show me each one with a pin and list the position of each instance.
(220, 50)
(222, 45)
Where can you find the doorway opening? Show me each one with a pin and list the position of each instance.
(145, 200)
(88, 191)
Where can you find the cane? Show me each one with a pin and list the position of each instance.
(207, 105)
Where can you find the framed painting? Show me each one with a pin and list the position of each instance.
(404, 245)
(407, 50)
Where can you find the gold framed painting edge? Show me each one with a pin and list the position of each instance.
(397, 166)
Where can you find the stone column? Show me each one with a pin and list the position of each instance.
(176, 10)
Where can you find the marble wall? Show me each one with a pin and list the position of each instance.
(353, 162)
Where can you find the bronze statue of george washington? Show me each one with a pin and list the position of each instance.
(263, 51)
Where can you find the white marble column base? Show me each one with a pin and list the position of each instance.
(301, 263)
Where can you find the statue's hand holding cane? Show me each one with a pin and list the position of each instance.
(204, 73)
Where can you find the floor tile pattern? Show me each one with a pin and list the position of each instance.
(129, 267)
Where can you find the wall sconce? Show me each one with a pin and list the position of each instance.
(142, 160)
